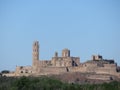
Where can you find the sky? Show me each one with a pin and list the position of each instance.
(86, 27)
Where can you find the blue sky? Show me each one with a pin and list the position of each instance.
(86, 27)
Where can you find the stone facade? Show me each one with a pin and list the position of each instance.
(66, 63)
(56, 64)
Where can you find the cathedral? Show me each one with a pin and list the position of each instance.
(66, 63)
(56, 65)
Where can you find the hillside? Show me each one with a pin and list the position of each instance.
(49, 83)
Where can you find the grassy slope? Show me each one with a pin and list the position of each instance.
(47, 83)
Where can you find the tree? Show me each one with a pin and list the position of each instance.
(5, 71)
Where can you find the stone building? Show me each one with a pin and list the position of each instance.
(62, 62)
(66, 60)
(65, 63)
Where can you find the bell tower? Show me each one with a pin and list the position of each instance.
(65, 53)
(35, 54)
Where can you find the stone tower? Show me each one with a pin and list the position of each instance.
(65, 53)
(35, 54)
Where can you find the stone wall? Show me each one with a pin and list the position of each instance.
(51, 70)
(100, 77)
(107, 69)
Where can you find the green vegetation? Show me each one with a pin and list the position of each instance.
(47, 83)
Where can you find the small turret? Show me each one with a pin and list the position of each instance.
(97, 57)
(56, 54)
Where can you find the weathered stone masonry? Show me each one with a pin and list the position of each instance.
(65, 63)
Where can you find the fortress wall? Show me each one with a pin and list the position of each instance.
(77, 69)
(90, 67)
(107, 70)
(103, 71)
(52, 70)
(59, 70)
(110, 65)
(90, 64)
(87, 67)
(99, 77)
